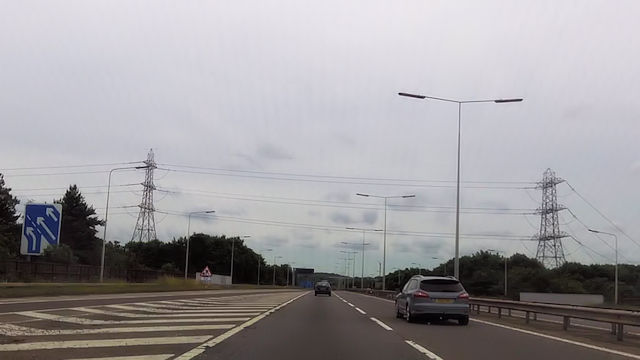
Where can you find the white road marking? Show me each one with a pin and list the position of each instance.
(350, 304)
(142, 357)
(213, 342)
(156, 316)
(168, 311)
(83, 344)
(15, 330)
(200, 307)
(423, 350)
(529, 332)
(83, 321)
(360, 311)
(383, 325)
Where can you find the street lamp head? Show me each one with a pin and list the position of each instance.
(141, 167)
(209, 211)
(408, 196)
(365, 195)
(412, 95)
(502, 101)
(594, 231)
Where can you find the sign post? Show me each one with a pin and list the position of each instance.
(41, 228)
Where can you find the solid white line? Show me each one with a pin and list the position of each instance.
(213, 342)
(156, 316)
(201, 306)
(350, 304)
(141, 357)
(360, 311)
(423, 350)
(589, 346)
(383, 325)
(15, 330)
(81, 344)
(83, 321)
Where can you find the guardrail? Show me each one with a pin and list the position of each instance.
(617, 318)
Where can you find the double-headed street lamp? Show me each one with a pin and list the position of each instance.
(274, 268)
(186, 257)
(233, 242)
(259, 255)
(419, 267)
(616, 268)
(456, 268)
(353, 268)
(363, 245)
(505, 268)
(106, 214)
(384, 241)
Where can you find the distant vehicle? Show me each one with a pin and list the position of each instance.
(433, 297)
(323, 287)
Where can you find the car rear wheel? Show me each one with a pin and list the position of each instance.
(315, 294)
(407, 314)
(463, 321)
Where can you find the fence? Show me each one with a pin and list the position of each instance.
(17, 270)
(617, 318)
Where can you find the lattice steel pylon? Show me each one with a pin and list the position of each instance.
(145, 229)
(550, 252)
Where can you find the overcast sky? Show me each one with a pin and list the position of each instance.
(289, 88)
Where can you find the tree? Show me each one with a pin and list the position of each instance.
(9, 228)
(78, 229)
(59, 254)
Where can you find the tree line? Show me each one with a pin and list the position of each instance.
(79, 244)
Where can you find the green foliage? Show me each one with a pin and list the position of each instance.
(59, 254)
(9, 228)
(78, 229)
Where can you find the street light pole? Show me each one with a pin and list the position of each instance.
(456, 269)
(106, 215)
(616, 267)
(384, 237)
(186, 256)
(259, 255)
(364, 230)
(274, 268)
(233, 241)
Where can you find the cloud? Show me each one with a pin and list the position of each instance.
(370, 217)
(338, 196)
(275, 241)
(635, 167)
(341, 218)
(273, 152)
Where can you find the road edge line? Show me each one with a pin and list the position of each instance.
(551, 337)
(423, 350)
(220, 338)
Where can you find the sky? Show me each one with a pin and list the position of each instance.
(275, 114)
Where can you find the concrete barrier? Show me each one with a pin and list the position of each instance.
(563, 299)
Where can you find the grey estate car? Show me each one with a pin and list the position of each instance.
(434, 297)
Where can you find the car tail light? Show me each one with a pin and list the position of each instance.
(463, 296)
(420, 294)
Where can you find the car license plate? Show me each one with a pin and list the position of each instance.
(444, 301)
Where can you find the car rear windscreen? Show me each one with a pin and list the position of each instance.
(441, 285)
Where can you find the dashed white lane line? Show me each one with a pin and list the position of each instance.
(15, 330)
(383, 325)
(143, 357)
(350, 304)
(423, 350)
(218, 339)
(84, 321)
(577, 343)
(360, 311)
(81, 344)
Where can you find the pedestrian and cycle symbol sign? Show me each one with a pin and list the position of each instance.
(41, 228)
(206, 272)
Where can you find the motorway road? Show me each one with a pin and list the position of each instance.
(266, 324)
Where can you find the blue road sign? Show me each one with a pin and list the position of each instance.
(41, 228)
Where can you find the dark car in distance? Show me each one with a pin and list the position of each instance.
(322, 287)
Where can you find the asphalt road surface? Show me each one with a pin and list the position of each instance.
(268, 324)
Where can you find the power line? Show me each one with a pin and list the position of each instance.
(337, 181)
(69, 166)
(341, 177)
(79, 186)
(601, 214)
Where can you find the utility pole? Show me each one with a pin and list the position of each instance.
(550, 252)
(145, 229)
(364, 230)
